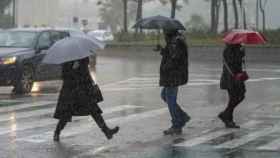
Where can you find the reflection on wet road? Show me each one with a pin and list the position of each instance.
(130, 86)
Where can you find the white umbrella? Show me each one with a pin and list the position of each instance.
(71, 48)
(100, 44)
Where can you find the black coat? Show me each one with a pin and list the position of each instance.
(77, 97)
(174, 63)
(234, 57)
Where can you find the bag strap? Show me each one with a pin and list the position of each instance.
(244, 62)
(227, 67)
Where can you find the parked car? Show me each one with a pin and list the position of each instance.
(21, 53)
(102, 35)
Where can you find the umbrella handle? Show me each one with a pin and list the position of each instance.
(158, 47)
(158, 37)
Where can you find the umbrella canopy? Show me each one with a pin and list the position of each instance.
(71, 48)
(159, 22)
(244, 36)
(99, 43)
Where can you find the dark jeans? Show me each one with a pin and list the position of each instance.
(178, 116)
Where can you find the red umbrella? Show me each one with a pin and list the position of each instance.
(244, 36)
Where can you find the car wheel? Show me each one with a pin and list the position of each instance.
(25, 83)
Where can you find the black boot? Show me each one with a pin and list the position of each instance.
(102, 125)
(227, 120)
(60, 126)
(185, 118)
(110, 132)
(173, 131)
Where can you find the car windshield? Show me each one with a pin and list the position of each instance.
(23, 39)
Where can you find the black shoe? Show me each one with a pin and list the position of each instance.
(110, 132)
(228, 123)
(232, 125)
(173, 131)
(222, 116)
(56, 137)
(186, 118)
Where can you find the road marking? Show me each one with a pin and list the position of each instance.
(247, 138)
(140, 83)
(265, 70)
(14, 126)
(205, 138)
(94, 152)
(25, 105)
(87, 127)
(272, 146)
(21, 115)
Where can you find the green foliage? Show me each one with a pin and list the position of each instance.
(111, 13)
(197, 24)
(192, 38)
(273, 36)
(132, 37)
(5, 20)
(3, 5)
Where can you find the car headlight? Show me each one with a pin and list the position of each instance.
(9, 60)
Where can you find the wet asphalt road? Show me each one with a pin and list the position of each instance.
(129, 81)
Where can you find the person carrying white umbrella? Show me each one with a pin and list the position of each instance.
(79, 95)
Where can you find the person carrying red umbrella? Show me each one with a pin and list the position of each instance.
(234, 76)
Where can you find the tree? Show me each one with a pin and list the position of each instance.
(236, 15)
(262, 9)
(214, 15)
(225, 4)
(5, 20)
(196, 23)
(139, 12)
(174, 6)
(243, 13)
(257, 14)
(114, 13)
(3, 5)
(125, 16)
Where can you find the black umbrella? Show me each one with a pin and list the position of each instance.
(159, 22)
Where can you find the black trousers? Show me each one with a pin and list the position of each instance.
(96, 116)
(236, 96)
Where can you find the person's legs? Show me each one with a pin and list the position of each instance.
(233, 103)
(182, 115)
(59, 127)
(163, 94)
(102, 125)
(235, 98)
(171, 100)
(168, 98)
(178, 116)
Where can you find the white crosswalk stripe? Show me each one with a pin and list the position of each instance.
(139, 83)
(49, 121)
(48, 111)
(250, 137)
(272, 146)
(93, 152)
(213, 135)
(86, 127)
(25, 105)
